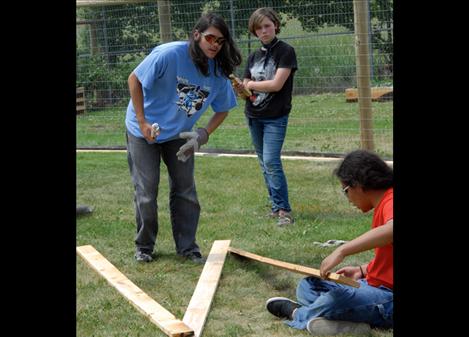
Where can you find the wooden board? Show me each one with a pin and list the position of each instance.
(165, 320)
(80, 100)
(295, 267)
(377, 94)
(199, 305)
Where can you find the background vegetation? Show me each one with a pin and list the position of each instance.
(111, 41)
(321, 124)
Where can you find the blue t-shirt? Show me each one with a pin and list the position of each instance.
(176, 93)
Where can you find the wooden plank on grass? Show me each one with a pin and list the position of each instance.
(197, 310)
(295, 267)
(165, 320)
(377, 94)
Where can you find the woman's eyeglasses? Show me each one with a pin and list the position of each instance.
(345, 190)
(212, 39)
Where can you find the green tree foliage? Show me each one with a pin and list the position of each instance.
(382, 28)
(120, 36)
(313, 14)
(121, 41)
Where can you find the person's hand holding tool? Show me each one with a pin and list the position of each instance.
(238, 85)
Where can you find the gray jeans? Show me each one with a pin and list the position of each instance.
(144, 163)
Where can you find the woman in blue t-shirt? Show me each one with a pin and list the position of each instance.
(172, 87)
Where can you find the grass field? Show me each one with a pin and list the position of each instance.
(234, 203)
(318, 124)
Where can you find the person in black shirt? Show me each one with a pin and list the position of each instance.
(269, 75)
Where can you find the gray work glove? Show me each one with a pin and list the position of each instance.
(195, 139)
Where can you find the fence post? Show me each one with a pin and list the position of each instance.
(164, 15)
(233, 32)
(362, 56)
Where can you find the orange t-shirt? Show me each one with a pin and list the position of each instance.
(380, 270)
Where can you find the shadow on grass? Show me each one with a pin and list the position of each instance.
(268, 273)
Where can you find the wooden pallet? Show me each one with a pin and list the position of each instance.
(80, 100)
(378, 94)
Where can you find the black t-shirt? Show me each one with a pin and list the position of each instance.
(270, 104)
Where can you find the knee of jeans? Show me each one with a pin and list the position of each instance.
(272, 165)
(386, 311)
(303, 287)
(146, 198)
(188, 194)
(340, 294)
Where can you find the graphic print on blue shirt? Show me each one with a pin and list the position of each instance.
(175, 93)
(191, 97)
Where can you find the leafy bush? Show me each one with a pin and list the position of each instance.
(106, 83)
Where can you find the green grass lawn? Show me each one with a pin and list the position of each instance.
(234, 203)
(318, 124)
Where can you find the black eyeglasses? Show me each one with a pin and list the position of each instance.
(212, 39)
(345, 189)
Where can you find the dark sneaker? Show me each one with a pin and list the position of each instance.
(281, 307)
(321, 326)
(196, 257)
(144, 257)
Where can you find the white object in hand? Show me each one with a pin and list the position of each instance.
(155, 130)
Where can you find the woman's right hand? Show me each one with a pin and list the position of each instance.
(145, 128)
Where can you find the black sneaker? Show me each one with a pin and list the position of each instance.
(281, 307)
(321, 326)
(196, 257)
(144, 257)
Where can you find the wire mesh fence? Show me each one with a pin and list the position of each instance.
(114, 36)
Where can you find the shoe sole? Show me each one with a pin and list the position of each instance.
(320, 326)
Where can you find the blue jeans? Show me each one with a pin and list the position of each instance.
(321, 298)
(144, 163)
(268, 135)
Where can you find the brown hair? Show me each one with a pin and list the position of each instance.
(259, 15)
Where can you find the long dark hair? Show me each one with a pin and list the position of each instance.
(227, 58)
(366, 169)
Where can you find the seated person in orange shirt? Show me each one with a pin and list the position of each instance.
(328, 308)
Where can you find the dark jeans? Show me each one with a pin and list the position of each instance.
(144, 163)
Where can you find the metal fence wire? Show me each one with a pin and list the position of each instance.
(112, 38)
